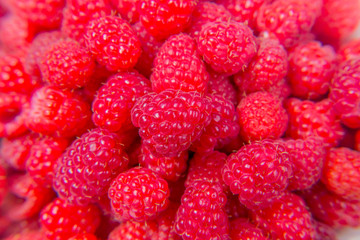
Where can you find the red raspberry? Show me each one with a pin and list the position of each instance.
(62, 221)
(258, 172)
(220, 84)
(349, 50)
(138, 194)
(169, 168)
(266, 69)
(287, 218)
(3, 183)
(307, 118)
(163, 18)
(166, 223)
(311, 67)
(127, 9)
(341, 173)
(27, 235)
(261, 116)
(58, 113)
(114, 100)
(331, 208)
(282, 90)
(133, 230)
(113, 43)
(227, 46)
(171, 120)
(288, 20)
(323, 231)
(84, 236)
(67, 65)
(201, 214)
(234, 208)
(13, 111)
(345, 92)
(77, 15)
(357, 140)
(241, 228)
(178, 66)
(88, 166)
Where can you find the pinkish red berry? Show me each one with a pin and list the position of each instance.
(323, 231)
(84, 236)
(357, 140)
(131, 230)
(219, 84)
(241, 228)
(349, 50)
(127, 9)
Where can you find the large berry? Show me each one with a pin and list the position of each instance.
(241, 228)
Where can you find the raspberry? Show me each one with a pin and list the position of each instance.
(138, 194)
(88, 166)
(357, 140)
(13, 111)
(27, 235)
(84, 236)
(266, 69)
(287, 218)
(227, 46)
(307, 118)
(3, 183)
(349, 50)
(171, 120)
(219, 84)
(166, 223)
(341, 172)
(288, 20)
(258, 172)
(113, 43)
(234, 208)
(62, 221)
(169, 168)
(163, 18)
(261, 116)
(311, 69)
(241, 228)
(177, 65)
(201, 214)
(323, 231)
(57, 112)
(127, 9)
(131, 230)
(114, 100)
(77, 15)
(345, 92)
(67, 65)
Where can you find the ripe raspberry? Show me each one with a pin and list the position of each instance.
(282, 90)
(287, 218)
(84, 236)
(169, 168)
(3, 183)
(67, 65)
(177, 65)
(133, 230)
(234, 208)
(258, 172)
(58, 113)
(171, 120)
(227, 46)
(341, 172)
(357, 140)
(241, 228)
(62, 221)
(163, 18)
(77, 15)
(113, 43)
(307, 118)
(127, 9)
(288, 20)
(166, 223)
(201, 214)
(345, 92)
(261, 116)
(219, 84)
(138, 194)
(323, 231)
(114, 100)
(266, 69)
(27, 235)
(349, 50)
(13, 111)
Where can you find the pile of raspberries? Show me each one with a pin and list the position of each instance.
(179, 119)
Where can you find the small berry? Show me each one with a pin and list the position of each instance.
(241, 228)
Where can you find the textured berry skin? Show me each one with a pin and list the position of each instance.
(219, 84)
(234, 208)
(349, 50)
(288, 20)
(261, 116)
(57, 112)
(341, 173)
(345, 92)
(227, 46)
(241, 228)
(311, 67)
(88, 166)
(13, 109)
(307, 118)
(258, 172)
(3, 184)
(177, 65)
(138, 194)
(166, 223)
(323, 231)
(133, 230)
(163, 18)
(171, 120)
(27, 235)
(62, 221)
(78, 14)
(67, 65)
(266, 69)
(331, 209)
(357, 140)
(127, 9)
(113, 43)
(114, 100)
(84, 236)
(287, 218)
(201, 214)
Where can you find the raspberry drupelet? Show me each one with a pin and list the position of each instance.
(220, 84)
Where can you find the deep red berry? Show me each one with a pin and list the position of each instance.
(166, 223)
(234, 208)
(84, 236)
(177, 65)
(3, 184)
(220, 84)
(241, 228)
(258, 172)
(127, 9)
(323, 231)
(226, 46)
(349, 50)
(357, 140)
